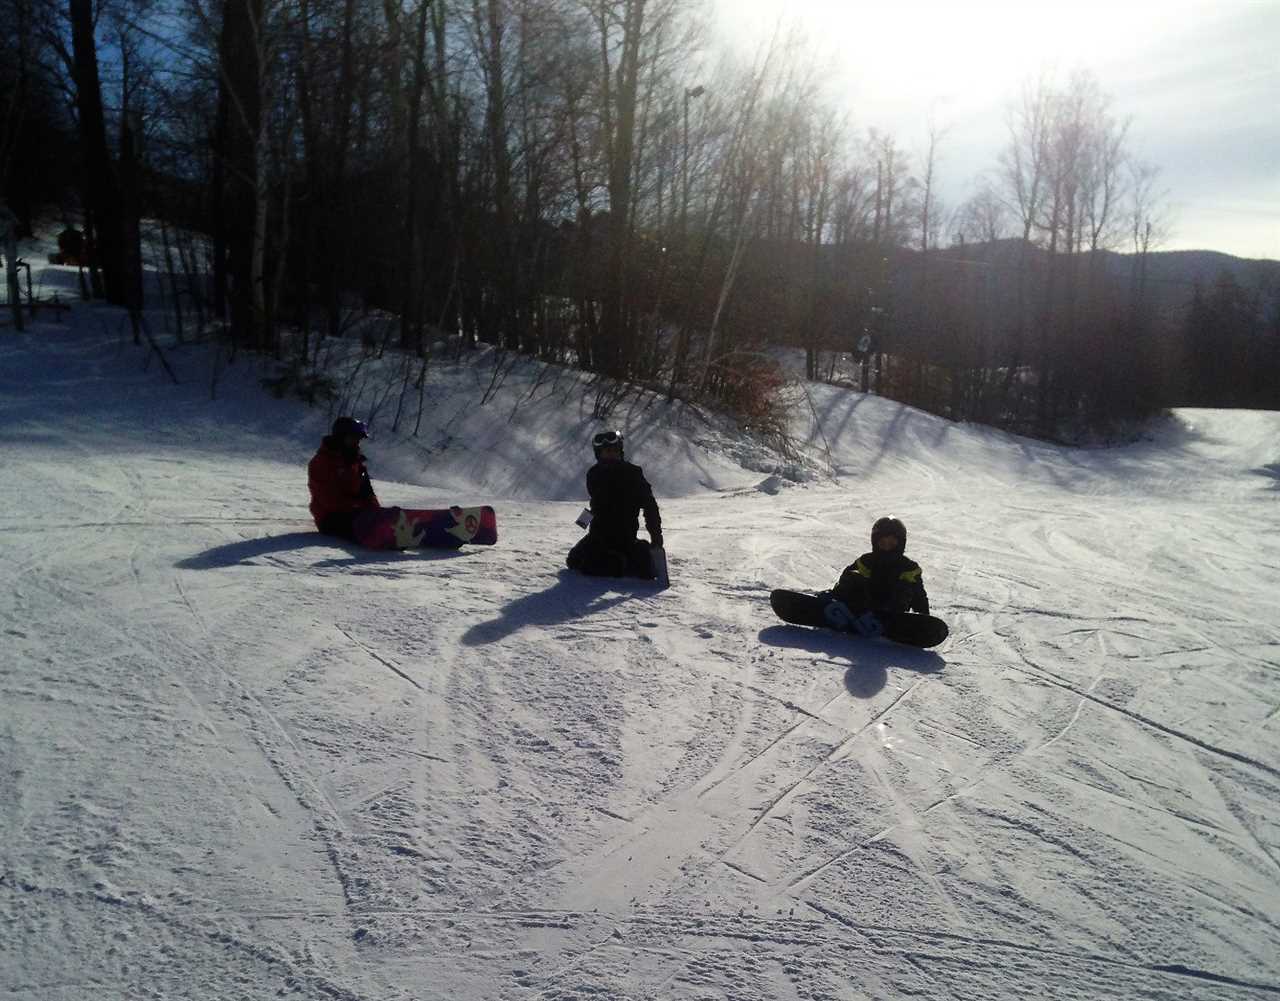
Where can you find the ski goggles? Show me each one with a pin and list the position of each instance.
(606, 438)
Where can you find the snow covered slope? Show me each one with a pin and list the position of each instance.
(241, 761)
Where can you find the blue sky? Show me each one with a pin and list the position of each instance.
(1200, 81)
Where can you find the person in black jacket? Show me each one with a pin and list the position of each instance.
(883, 580)
(619, 492)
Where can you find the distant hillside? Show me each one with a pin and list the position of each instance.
(1172, 275)
(1205, 266)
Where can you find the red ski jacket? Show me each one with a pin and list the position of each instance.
(339, 484)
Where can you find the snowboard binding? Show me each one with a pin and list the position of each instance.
(839, 616)
(868, 624)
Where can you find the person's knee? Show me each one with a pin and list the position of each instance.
(579, 554)
(855, 595)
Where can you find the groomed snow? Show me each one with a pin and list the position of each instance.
(238, 760)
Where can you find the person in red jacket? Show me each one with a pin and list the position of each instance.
(339, 480)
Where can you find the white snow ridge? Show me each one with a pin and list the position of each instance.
(240, 761)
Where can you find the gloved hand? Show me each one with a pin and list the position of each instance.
(655, 539)
(837, 615)
(868, 624)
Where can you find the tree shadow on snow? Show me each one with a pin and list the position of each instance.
(870, 660)
(572, 596)
(246, 550)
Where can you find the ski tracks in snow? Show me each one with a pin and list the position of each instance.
(246, 761)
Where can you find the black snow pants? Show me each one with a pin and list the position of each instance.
(611, 558)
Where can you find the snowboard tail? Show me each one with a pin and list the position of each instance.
(908, 628)
(443, 528)
(658, 558)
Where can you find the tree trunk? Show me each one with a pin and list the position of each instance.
(131, 225)
(311, 246)
(411, 298)
(102, 194)
(490, 28)
(241, 81)
(334, 206)
(615, 333)
(9, 244)
(217, 200)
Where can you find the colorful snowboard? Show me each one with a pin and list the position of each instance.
(902, 627)
(447, 528)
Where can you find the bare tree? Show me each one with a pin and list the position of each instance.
(1147, 222)
(983, 218)
(102, 187)
(1024, 168)
(892, 174)
(1024, 163)
(9, 248)
(240, 149)
(931, 213)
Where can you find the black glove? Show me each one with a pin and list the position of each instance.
(655, 539)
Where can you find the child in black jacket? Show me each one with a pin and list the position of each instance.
(883, 580)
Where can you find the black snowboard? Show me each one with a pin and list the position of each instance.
(902, 627)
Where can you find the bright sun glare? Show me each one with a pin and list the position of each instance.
(965, 55)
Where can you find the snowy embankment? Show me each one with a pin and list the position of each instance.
(240, 760)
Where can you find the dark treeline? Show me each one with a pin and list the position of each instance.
(589, 183)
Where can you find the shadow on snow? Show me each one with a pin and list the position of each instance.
(235, 553)
(1272, 471)
(572, 596)
(870, 660)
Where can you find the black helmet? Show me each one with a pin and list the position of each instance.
(606, 439)
(888, 526)
(349, 425)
